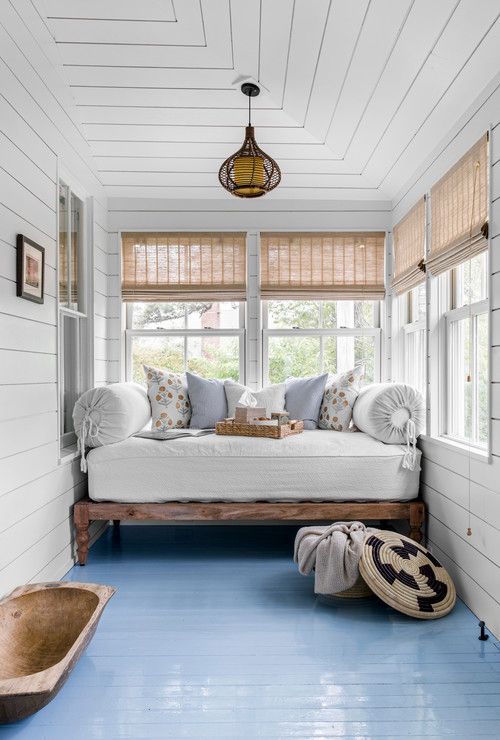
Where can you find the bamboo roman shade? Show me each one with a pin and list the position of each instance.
(322, 266)
(459, 211)
(183, 267)
(409, 249)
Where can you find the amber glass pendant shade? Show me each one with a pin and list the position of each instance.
(248, 175)
(249, 172)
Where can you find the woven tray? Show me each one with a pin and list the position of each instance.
(271, 431)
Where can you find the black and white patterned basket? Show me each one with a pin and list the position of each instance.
(406, 576)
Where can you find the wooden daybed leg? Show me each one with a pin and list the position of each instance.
(82, 522)
(417, 519)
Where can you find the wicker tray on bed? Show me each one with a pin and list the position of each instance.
(271, 431)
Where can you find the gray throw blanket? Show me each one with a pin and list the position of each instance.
(333, 552)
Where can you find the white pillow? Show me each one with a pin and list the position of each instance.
(272, 397)
(338, 400)
(383, 409)
(168, 395)
(110, 413)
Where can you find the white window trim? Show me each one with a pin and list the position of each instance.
(333, 332)
(85, 366)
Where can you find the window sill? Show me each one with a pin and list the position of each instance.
(68, 454)
(475, 453)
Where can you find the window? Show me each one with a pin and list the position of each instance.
(308, 337)
(466, 327)
(73, 326)
(414, 338)
(206, 338)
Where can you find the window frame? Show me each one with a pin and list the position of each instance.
(82, 360)
(410, 328)
(240, 332)
(452, 317)
(444, 292)
(375, 332)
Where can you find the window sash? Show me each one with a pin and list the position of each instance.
(415, 354)
(184, 333)
(321, 333)
(455, 412)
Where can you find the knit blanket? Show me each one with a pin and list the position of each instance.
(333, 552)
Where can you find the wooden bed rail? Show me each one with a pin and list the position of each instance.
(86, 511)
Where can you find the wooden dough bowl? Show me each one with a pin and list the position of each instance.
(44, 628)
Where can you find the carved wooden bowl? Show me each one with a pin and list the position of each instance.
(44, 628)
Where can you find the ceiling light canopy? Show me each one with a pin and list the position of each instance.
(250, 172)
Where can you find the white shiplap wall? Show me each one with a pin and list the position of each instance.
(36, 136)
(450, 475)
(152, 214)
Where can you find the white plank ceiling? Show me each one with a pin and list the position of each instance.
(354, 94)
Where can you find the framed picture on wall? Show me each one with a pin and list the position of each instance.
(30, 269)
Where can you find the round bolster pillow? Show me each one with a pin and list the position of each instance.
(110, 413)
(382, 410)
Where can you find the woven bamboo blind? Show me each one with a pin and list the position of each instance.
(459, 211)
(183, 267)
(409, 246)
(323, 265)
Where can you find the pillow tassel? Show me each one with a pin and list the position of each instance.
(88, 430)
(410, 456)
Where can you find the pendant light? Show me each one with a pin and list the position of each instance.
(250, 172)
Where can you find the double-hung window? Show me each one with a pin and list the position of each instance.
(310, 337)
(414, 338)
(458, 262)
(206, 338)
(73, 322)
(466, 329)
(184, 297)
(321, 302)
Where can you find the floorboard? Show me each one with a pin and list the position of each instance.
(213, 634)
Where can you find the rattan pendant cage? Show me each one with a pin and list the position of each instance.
(250, 172)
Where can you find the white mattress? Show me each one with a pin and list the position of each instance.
(313, 466)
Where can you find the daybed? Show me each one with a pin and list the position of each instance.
(311, 477)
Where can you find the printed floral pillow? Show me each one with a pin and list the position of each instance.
(168, 395)
(340, 393)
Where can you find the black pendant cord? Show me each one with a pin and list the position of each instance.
(249, 110)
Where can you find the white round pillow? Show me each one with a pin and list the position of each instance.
(382, 410)
(110, 413)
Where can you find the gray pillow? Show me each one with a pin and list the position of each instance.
(208, 401)
(303, 398)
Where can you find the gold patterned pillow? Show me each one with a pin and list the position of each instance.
(340, 393)
(168, 395)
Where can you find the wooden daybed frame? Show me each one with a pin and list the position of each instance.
(86, 511)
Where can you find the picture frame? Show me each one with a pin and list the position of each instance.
(30, 270)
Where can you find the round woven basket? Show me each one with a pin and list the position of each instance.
(406, 576)
(360, 590)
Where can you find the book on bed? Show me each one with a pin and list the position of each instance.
(173, 433)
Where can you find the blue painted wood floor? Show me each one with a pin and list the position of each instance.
(214, 634)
